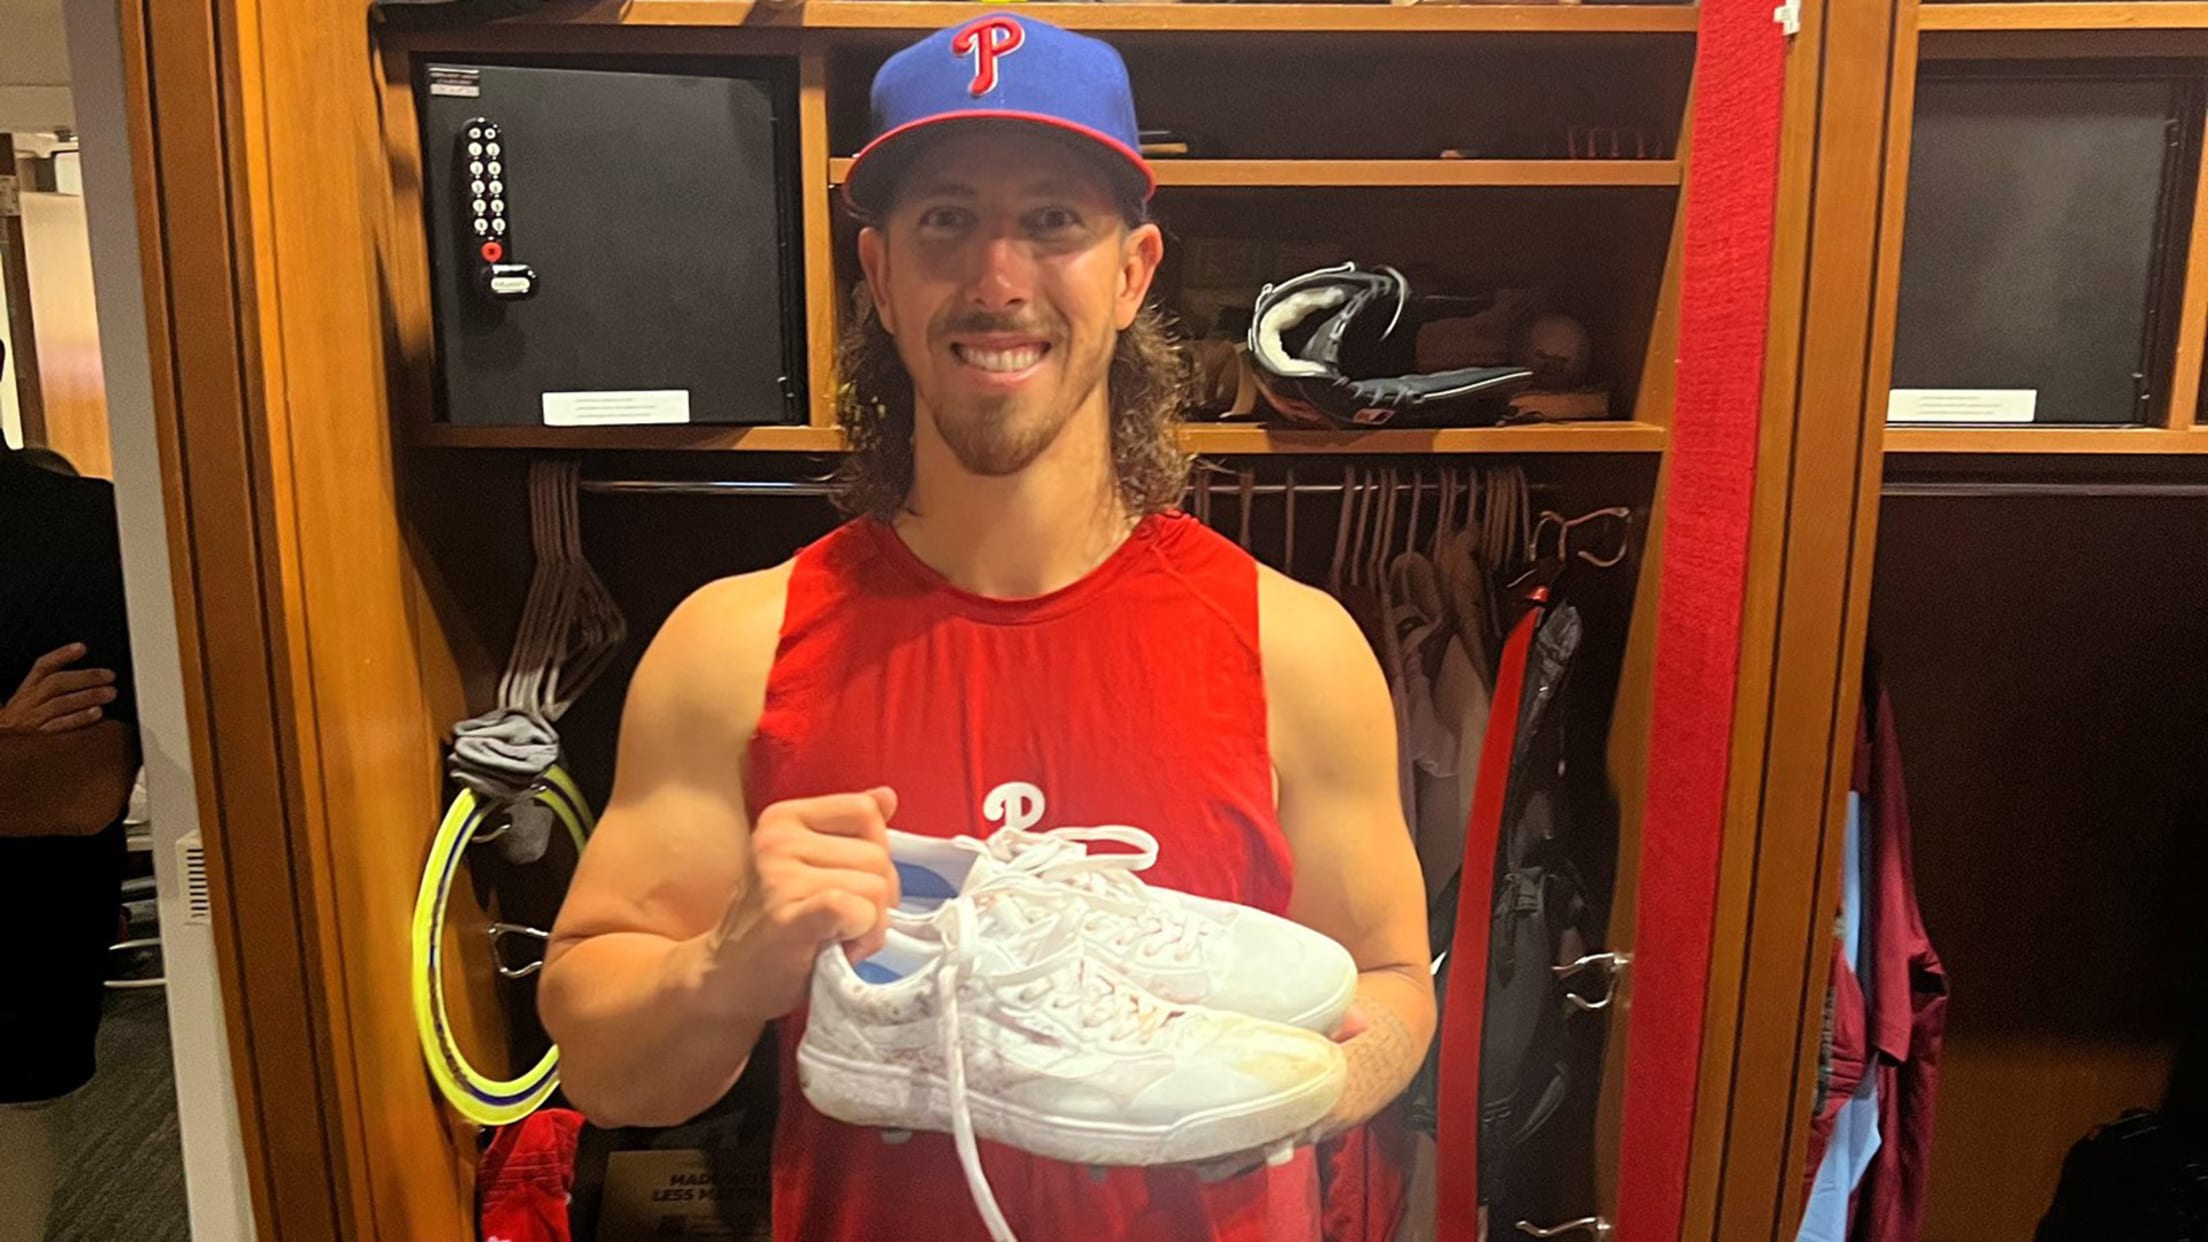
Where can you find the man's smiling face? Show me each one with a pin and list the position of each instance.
(1006, 271)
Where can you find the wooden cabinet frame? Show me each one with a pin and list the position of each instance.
(1817, 488)
(271, 244)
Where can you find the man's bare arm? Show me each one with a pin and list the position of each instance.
(1357, 877)
(643, 1040)
(73, 783)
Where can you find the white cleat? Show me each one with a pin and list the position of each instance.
(1001, 1028)
(1186, 949)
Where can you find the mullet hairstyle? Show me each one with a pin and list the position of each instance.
(1148, 382)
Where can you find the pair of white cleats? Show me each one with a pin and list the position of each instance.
(1036, 994)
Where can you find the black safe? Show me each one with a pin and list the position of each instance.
(2038, 251)
(613, 245)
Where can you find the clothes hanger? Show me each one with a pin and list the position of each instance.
(1380, 564)
(1472, 565)
(1288, 539)
(1444, 512)
(1520, 495)
(1415, 577)
(1451, 487)
(1544, 568)
(1623, 517)
(1418, 501)
(1548, 521)
(1383, 511)
(1509, 525)
(1341, 532)
(1383, 536)
(1363, 520)
(1564, 527)
(1248, 479)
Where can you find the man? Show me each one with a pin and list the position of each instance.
(1016, 631)
(68, 750)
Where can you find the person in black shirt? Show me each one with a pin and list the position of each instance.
(68, 754)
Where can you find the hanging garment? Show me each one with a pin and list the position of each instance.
(1426, 737)
(1133, 696)
(1417, 1224)
(1465, 581)
(1907, 994)
(1463, 699)
(1364, 1178)
(1444, 784)
(526, 1177)
(1844, 1135)
(1455, 1066)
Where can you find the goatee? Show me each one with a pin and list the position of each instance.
(991, 441)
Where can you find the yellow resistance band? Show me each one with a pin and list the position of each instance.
(479, 1098)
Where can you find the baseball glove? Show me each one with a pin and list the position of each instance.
(1328, 353)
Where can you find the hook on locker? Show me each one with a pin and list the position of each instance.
(1610, 964)
(1593, 1226)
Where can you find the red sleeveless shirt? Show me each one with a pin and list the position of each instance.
(1134, 696)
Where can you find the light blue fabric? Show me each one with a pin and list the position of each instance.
(1855, 1136)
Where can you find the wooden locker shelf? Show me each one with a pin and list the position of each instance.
(1172, 18)
(707, 437)
(2032, 440)
(2144, 15)
(1395, 173)
(1590, 437)
(1269, 18)
(1533, 438)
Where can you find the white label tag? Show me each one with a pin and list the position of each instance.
(1961, 405)
(455, 81)
(610, 409)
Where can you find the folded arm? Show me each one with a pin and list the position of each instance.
(72, 783)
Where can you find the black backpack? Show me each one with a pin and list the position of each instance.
(2139, 1178)
(1539, 915)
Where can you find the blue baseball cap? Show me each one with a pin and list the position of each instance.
(1004, 67)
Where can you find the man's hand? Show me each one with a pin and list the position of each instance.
(55, 698)
(820, 873)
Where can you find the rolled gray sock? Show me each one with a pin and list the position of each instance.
(500, 755)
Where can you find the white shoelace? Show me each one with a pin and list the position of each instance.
(1062, 857)
(1059, 976)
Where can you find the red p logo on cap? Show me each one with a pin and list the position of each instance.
(986, 41)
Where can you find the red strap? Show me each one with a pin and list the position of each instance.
(1457, 1093)
(1724, 307)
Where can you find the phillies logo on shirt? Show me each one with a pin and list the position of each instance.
(1017, 805)
(988, 41)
